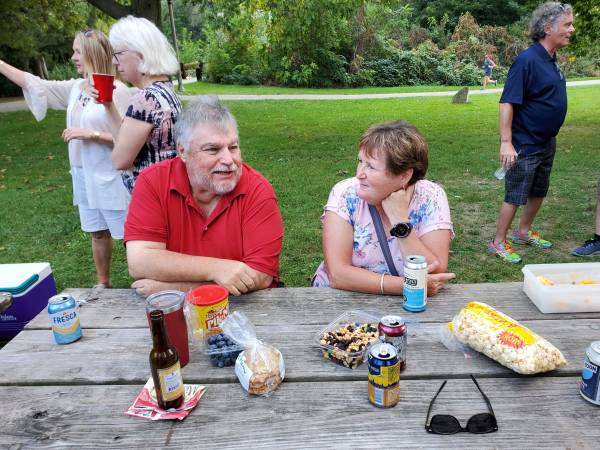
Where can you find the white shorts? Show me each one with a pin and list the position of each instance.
(102, 219)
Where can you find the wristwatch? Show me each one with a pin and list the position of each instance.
(401, 230)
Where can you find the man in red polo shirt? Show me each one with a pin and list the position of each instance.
(204, 216)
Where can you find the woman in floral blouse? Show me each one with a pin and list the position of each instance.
(392, 163)
(144, 58)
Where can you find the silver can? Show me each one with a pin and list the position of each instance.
(64, 318)
(415, 283)
(590, 375)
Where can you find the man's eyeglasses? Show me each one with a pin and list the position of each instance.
(481, 423)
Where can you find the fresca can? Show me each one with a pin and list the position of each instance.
(384, 375)
(415, 283)
(590, 383)
(392, 330)
(64, 318)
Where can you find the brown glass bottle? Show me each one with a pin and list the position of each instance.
(164, 365)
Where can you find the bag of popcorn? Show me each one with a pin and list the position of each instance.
(503, 339)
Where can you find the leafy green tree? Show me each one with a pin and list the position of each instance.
(489, 12)
(150, 9)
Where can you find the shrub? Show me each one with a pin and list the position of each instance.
(63, 71)
(242, 74)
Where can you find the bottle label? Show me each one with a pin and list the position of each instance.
(171, 383)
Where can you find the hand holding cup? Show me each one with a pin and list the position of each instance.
(102, 90)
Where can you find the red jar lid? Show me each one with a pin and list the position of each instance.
(207, 294)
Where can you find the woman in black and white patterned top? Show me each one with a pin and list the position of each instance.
(145, 59)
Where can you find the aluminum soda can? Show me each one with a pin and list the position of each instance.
(384, 375)
(590, 375)
(64, 318)
(392, 330)
(415, 283)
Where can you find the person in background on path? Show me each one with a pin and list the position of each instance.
(145, 59)
(98, 190)
(392, 163)
(488, 65)
(533, 107)
(591, 246)
(204, 216)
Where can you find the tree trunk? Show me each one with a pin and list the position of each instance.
(150, 9)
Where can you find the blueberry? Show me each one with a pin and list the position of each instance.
(211, 340)
(221, 364)
(228, 361)
(220, 337)
(220, 344)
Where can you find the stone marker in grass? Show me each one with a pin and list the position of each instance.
(461, 96)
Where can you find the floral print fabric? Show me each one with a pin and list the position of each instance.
(428, 211)
(158, 105)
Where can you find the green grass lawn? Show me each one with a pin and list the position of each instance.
(304, 147)
(234, 89)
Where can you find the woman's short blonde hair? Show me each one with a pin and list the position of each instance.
(96, 52)
(142, 36)
(402, 146)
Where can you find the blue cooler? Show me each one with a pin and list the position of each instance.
(31, 285)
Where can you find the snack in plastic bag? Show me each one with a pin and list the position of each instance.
(503, 339)
(260, 367)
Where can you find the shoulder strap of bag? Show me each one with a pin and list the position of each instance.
(382, 239)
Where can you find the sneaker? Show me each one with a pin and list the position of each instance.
(503, 251)
(589, 247)
(530, 238)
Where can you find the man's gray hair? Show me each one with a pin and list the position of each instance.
(207, 109)
(546, 14)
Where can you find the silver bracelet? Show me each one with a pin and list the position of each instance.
(381, 282)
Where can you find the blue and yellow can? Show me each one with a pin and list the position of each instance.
(64, 318)
(384, 375)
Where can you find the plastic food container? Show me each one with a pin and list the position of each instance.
(339, 340)
(208, 307)
(221, 350)
(575, 288)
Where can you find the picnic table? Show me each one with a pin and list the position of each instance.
(75, 395)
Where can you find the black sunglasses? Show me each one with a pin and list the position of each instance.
(481, 423)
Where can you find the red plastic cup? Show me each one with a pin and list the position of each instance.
(104, 84)
(171, 304)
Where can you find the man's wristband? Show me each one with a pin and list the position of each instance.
(95, 135)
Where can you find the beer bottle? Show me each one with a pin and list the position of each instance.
(164, 365)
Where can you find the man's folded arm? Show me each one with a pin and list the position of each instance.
(151, 260)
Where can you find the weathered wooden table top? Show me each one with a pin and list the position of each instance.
(75, 395)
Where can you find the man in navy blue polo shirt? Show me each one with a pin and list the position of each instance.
(533, 107)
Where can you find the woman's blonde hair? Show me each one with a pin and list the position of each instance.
(402, 146)
(96, 52)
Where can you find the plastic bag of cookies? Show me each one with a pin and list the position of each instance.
(260, 367)
(503, 339)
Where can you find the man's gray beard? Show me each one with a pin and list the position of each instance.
(203, 182)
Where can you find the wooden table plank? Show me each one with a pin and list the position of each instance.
(109, 356)
(533, 413)
(122, 308)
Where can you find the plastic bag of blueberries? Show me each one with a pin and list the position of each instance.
(222, 350)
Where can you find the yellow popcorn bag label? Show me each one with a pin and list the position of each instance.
(511, 333)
